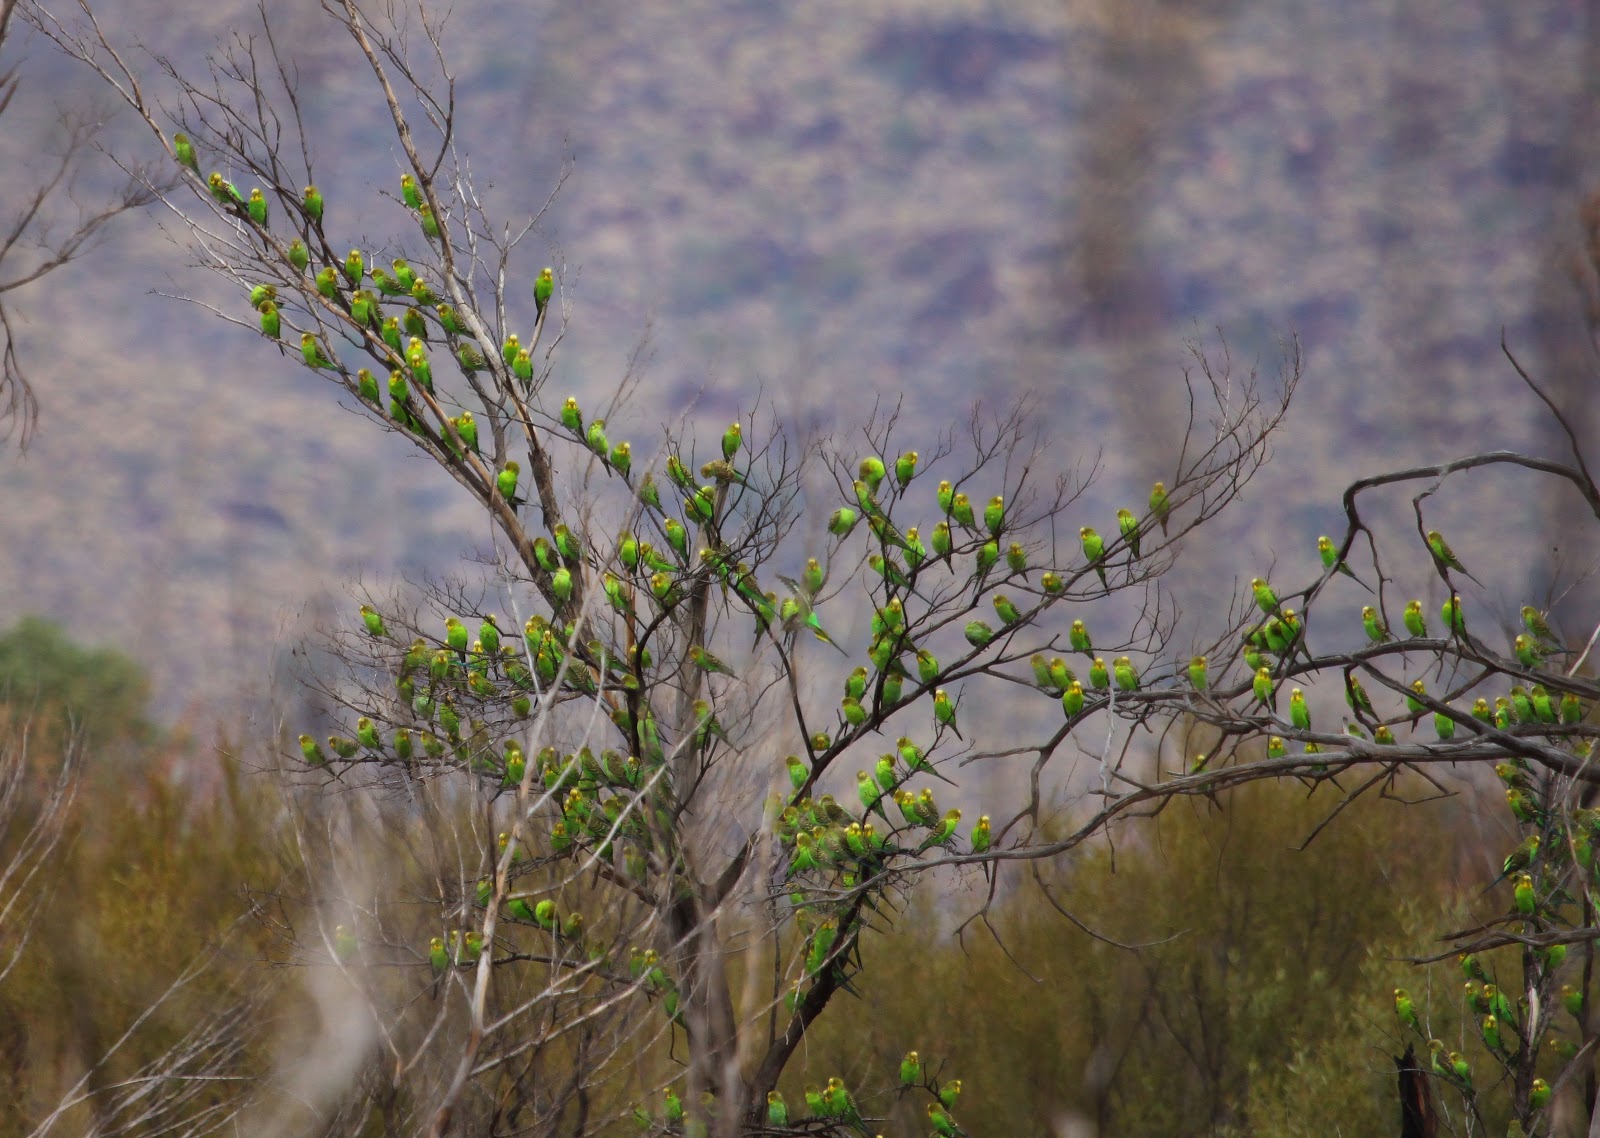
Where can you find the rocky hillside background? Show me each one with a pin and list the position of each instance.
(818, 206)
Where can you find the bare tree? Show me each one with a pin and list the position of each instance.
(41, 235)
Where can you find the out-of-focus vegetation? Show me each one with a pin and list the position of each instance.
(1225, 980)
(53, 684)
(1255, 997)
(148, 888)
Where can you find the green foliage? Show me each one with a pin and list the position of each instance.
(98, 690)
(149, 879)
(1251, 958)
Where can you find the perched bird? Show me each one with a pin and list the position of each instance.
(942, 833)
(1405, 1009)
(980, 835)
(1414, 623)
(183, 151)
(311, 202)
(223, 190)
(1528, 650)
(1099, 676)
(1266, 599)
(1127, 678)
(271, 323)
(1158, 505)
(910, 1070)
(543, 288)
(506, 482)
(1197, 673)
(1094, 549)
(871, 472)
(1444, 557)
(1330, 557)
(961, 511)
(1490, 1029)
(994, 515)
(1128, 526)
(777, 1110)
(842, 521)
(1376, 630)
(311, 351)
(256, 207)
(1078, 637)
(1299, 714)
(1534, 621)
(1524, 895)
(905, 469)
(1262, 686)
(373, 620)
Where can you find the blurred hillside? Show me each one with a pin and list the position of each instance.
(818, 206)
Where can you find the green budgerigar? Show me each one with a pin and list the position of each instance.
(1445, 558)
(1299, 714)
(1262, 686)
(1128, 526)
(1405, 1010)
(506, 482)
(1159, 507)
(1127, 678)
(777, 1110)
(311, 351)
(311, 201)
(911, 1070)
(543, 288)
(1094, 549)
(183, 151)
